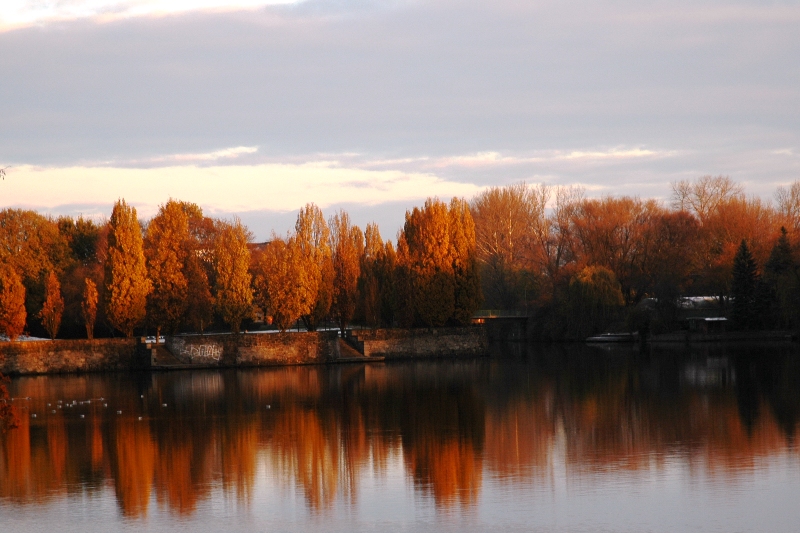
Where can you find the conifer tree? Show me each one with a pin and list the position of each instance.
(12, 303)
(126, 282)
(89, 307)
(234, 297)
(743, 287)
(53, 306)
(347, 243)
(165, 248)
(778, 295)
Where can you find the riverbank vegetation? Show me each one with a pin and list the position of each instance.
(578, 265)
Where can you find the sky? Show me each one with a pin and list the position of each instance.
(254, 108)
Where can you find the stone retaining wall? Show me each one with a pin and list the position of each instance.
(255, 349)
(53, 357)
(251, 349)
(404, 343)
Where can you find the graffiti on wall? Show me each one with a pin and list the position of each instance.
(197, 351)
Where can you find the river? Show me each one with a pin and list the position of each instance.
(535, 438)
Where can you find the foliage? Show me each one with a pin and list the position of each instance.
(279, 282)
(347, 244)
(743, 288)
(594, 301)
(166, 250)
(12, 302)
(233, 294)
(126, 283)
(33, 246)
(53, 306)
(509, 223)
(437, 277)
(89, 307)
(312, 236)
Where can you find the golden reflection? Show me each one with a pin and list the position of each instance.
(322, 430)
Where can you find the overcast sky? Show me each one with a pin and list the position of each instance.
(255, 108)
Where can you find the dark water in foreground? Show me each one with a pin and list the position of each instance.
(542, 439)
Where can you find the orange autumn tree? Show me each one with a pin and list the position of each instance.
(12, 303)
(126, 281)
(347, 244)
(509, 221)
(312, 236)
(89, 307)
(369, 279)
(53, 306)
(280, 287)
(165, 248)
(198, 268)
(234, 296)
(438, 279)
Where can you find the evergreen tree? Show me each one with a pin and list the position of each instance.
(234, 297)
(53, 306)
(743, 288)
(12, 303)
(126, 282)
(89, 307)
(165, 248)
(779, 292)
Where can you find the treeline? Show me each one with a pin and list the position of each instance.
(583, 265)
(579, 265)
(183, 271)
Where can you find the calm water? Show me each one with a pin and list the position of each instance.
(541, 439)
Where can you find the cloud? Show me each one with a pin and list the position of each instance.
(15, 14)
(230, 189)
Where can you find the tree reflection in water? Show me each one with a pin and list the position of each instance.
(451, 424)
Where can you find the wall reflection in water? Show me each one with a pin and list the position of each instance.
(174, 438)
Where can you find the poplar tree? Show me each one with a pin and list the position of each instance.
(234, 297)
(12, 303)
(465, 264)
(312, 235)
(347, 243)
(126, 282)
(369, 280)
(89, 307)
(53, 306)
(165, 248)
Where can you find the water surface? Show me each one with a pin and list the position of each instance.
(533, 439)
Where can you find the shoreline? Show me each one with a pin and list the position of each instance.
(244, 350)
